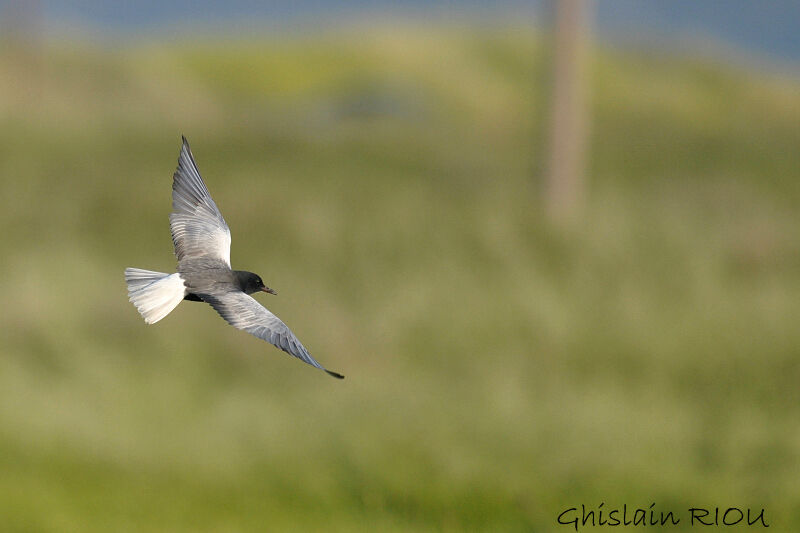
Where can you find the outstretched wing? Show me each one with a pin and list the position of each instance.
(245, 313)
(198, 229)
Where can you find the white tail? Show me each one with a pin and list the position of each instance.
(154, 294)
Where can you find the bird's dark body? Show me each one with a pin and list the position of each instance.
(202, 276)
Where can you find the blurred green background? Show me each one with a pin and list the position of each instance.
(385, 179)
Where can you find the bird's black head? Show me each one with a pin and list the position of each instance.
(251, 283)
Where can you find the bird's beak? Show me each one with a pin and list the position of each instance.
(267, 289)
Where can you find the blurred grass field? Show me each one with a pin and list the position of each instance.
(384, 181)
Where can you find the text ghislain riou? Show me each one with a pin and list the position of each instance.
(643, 517)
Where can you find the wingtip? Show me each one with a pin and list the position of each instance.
(334, 374)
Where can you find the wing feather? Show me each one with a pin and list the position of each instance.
(197, 226)
(244, 312)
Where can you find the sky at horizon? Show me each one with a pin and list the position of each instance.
(769, 30)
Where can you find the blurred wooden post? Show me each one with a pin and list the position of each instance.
(21, 44)
(565, 187)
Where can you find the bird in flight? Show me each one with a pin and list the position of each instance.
(203, 247)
